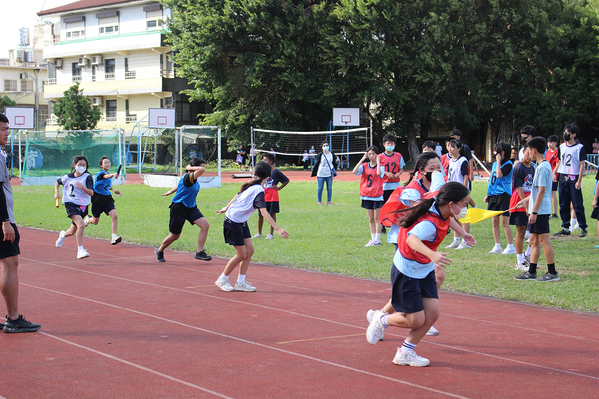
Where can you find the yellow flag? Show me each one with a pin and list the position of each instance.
(476, 215)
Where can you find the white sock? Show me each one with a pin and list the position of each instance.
(377, 237)
(224, 277)
(372, 236)
(114, 236)
(80, 248)
(527, 253)
(497, 245)
(520, 258)
(456, 239)
(407, 347)
(572, 222)
(241, 279)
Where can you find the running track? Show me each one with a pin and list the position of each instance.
(119, 324)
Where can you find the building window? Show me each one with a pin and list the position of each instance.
(26, 86)
(109, 69)
(153, 16)
(10, 85)
(94, 70)
(108, 22)
(75, 27)
(153, 24)
(76, 70)
(110, 110)
(107, 30)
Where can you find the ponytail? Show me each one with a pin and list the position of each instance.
(262, 171)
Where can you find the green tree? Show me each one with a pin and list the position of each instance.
(6, 102)
(74, 111)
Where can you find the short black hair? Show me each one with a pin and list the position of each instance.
(429, 144)
(553, 139)
(373, 148)
(572, 128)
(195, 161)
(269, 156)
(455, 132)
(456, 143)
(389, 137)
(528, 130)
(3, 118)
(538, 143)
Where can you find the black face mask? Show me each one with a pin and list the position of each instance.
(567, 136)
(428, 176)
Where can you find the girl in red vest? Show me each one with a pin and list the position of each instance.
(414, 294)
(371, 191)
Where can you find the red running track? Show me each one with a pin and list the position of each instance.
(119, 324)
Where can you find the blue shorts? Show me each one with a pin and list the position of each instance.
(236, 233)
(408, 292)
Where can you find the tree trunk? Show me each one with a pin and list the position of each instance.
(413, 149)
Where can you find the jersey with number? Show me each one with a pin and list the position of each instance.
(371, 184)
(392, 164)
(73, 194)
(571, 157)
(457, 169)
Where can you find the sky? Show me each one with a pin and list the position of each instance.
(18, 14)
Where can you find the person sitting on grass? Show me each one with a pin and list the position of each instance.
(184, 207)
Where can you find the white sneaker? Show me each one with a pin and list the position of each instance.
(369, 315)
(269, 237)
(115, 240)
(575, 226)
(527, 235)
(509, 250)
(376, 330)
(432, 331)
(454, 244)
(82, 253)
(463, 245)
(410, 359)
(372, 243)
(257, 236)
(522, 267)
(246, 286)
(60, 240)
(496, 249)
(224, 285)
(526, 258)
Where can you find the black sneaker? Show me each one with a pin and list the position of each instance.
(563, 232)
(584, 233)
(19, 325)
(526, 276)
(553, 216)
(202, 255)
(549, 277)
(159, 255)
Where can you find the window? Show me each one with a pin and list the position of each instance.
(26, 86)
(94, 70)
(153, 16)
(153, 24)
(76, 70)
(108, 22)
(10, 85)
(110, 110)
(75, 27)
(109, 69)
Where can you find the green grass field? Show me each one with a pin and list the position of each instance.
(331, 240)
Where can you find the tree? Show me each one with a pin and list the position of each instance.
(6, 102)
(74, 111)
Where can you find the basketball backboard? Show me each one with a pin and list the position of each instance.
(161, 118)
(20, 118)
(346, 117)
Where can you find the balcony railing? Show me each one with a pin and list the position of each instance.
(77, 79)
(119, 75)
(130, 75)
(50, 81)
(110, 76)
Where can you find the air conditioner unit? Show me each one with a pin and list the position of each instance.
(97, 60)
(58, 63)
(23, 76)
(97, 101)
(83, 62)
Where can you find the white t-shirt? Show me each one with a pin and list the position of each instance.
(326, 163)
(245, 204)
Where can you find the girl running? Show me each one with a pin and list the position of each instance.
(414, 294)
(76, 194)
(371, 191)
(102, 201)
(237, 232)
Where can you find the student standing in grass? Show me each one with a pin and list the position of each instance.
(184, 207)
(371, 191)
(522, 178)
(393, 163)
(458, 171)
(552, 155)
(414, 294)
(76, 195)
(595, 205)
(539, 210)
(102, 201)
(236, 230)
(271, 195)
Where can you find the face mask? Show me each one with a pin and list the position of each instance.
(389, 148)
(462, 214)
(567, 136)
(80, 169)
(428, 176)
(325, 148)
(524, 138)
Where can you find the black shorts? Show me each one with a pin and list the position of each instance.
(387, 194)
(272, 207)
(102, 203)
(595, 213)
(179, 214)
(554, 186)
(368, 204)
(518, 219)
(408, 292)
(541, 226)
(499, 203)
(236, 233)
(73, 209)
(8, 249)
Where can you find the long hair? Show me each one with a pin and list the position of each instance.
(262, 171)
(449, 192)
(78, 158)
(505, 149)
(421, 163)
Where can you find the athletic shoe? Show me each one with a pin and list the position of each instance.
(369, 315)
(116, 240)
(433, 332)
(329, 203)
(376, 330)
(82, 253)
(19, 325)
(410, 358)
(202, 255)
(60, 240)
(522, 267)
(245, 286)
(553, 216)
(86, 220)
(463, 245)
(563, 232)
(509, 250)
(549, 277)
(269, 237)
(583, 233)
(320, 203)
(224, 285)
(527, 259)
(159, 255)
(575, 226)
(527, 235)
(454, 244)
(526, 276)
(496, 249)
(257, 236)
(372, 243)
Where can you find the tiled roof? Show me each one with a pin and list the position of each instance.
(82, 5)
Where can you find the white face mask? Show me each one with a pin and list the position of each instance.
(462, 214)
(80, 169)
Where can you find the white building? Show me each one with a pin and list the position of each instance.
(116, 50)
